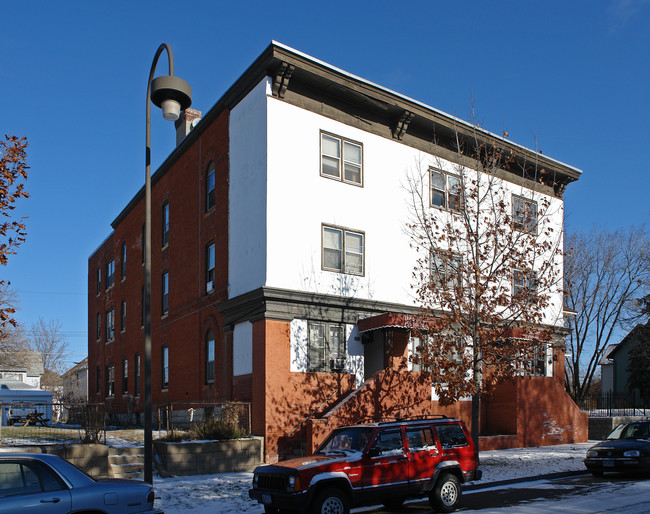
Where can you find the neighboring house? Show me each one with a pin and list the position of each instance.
(75, 382)
(281, 270)
(616, 359)
(24, 366)
(20, 381)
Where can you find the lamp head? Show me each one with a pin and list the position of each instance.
(172, 94)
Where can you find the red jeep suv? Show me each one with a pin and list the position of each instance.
(374, 463)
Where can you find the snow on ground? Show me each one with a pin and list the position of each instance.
(228, 492)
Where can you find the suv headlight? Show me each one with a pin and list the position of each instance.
(592, 454)
(293, 483)
(632, 453)
(256, 479)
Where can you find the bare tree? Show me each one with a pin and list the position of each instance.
(13, 172)
(12, 337)
(46, 338)
(488, 273)
(607, 275)
(13, 344)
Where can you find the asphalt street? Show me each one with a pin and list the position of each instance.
(572, 494)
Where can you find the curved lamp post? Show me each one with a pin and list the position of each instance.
(172, 94)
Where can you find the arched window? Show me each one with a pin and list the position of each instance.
(209, 357)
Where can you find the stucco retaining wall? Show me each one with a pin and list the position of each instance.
(91, 458)
(205, 457)
(599, 428)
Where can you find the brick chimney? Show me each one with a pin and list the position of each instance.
(187, 119)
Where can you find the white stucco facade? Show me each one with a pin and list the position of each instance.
(242, 349)
(280, 201)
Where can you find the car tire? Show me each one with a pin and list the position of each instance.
(446, 494)
(394, 504)
(331, 501)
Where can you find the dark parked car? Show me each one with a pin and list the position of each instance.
(46, 483)
(626, 449)
(374, 463)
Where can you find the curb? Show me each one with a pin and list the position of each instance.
(547, 476)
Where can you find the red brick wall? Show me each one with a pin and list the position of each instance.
(192, 312)
(281, 398)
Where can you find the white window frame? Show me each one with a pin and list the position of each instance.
(343, 160)
(345, 250)
(321, 339)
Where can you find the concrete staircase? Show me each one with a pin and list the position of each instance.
(126, 463)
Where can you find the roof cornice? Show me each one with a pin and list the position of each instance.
(402, 116)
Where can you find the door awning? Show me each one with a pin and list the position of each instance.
(390, 320)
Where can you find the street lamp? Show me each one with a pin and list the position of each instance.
(172, 94)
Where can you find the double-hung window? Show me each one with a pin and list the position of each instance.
(110, 380)
(165, 293)
(125, 376)
(209, 267)
(209, 357)
(446, 190)
(341, 159)
(165, 223)
(136, 388)
(524, 214)
(99, 280)
(164, 361)
(110, 325)
(524, 283)
(326, 346)
(123, 316)
(123, 263)
(110, 273)
(343, 250)
(99, 326)
(446, 269)
(209, 188)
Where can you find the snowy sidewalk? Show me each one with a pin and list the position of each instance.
(228, 492)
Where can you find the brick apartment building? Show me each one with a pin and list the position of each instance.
(280, 270)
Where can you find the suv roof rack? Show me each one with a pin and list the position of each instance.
(398, 419)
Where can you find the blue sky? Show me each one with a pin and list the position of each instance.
(568, 77)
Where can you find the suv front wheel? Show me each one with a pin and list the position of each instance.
(331, 501)
(445, 496)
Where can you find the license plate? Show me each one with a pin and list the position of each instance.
(608, 463)
(266, 499)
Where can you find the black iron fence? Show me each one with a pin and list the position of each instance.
(615, 404)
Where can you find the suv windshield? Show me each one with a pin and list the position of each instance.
(631, 431)
(344, 440)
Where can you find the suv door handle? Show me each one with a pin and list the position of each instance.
(53, 500)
